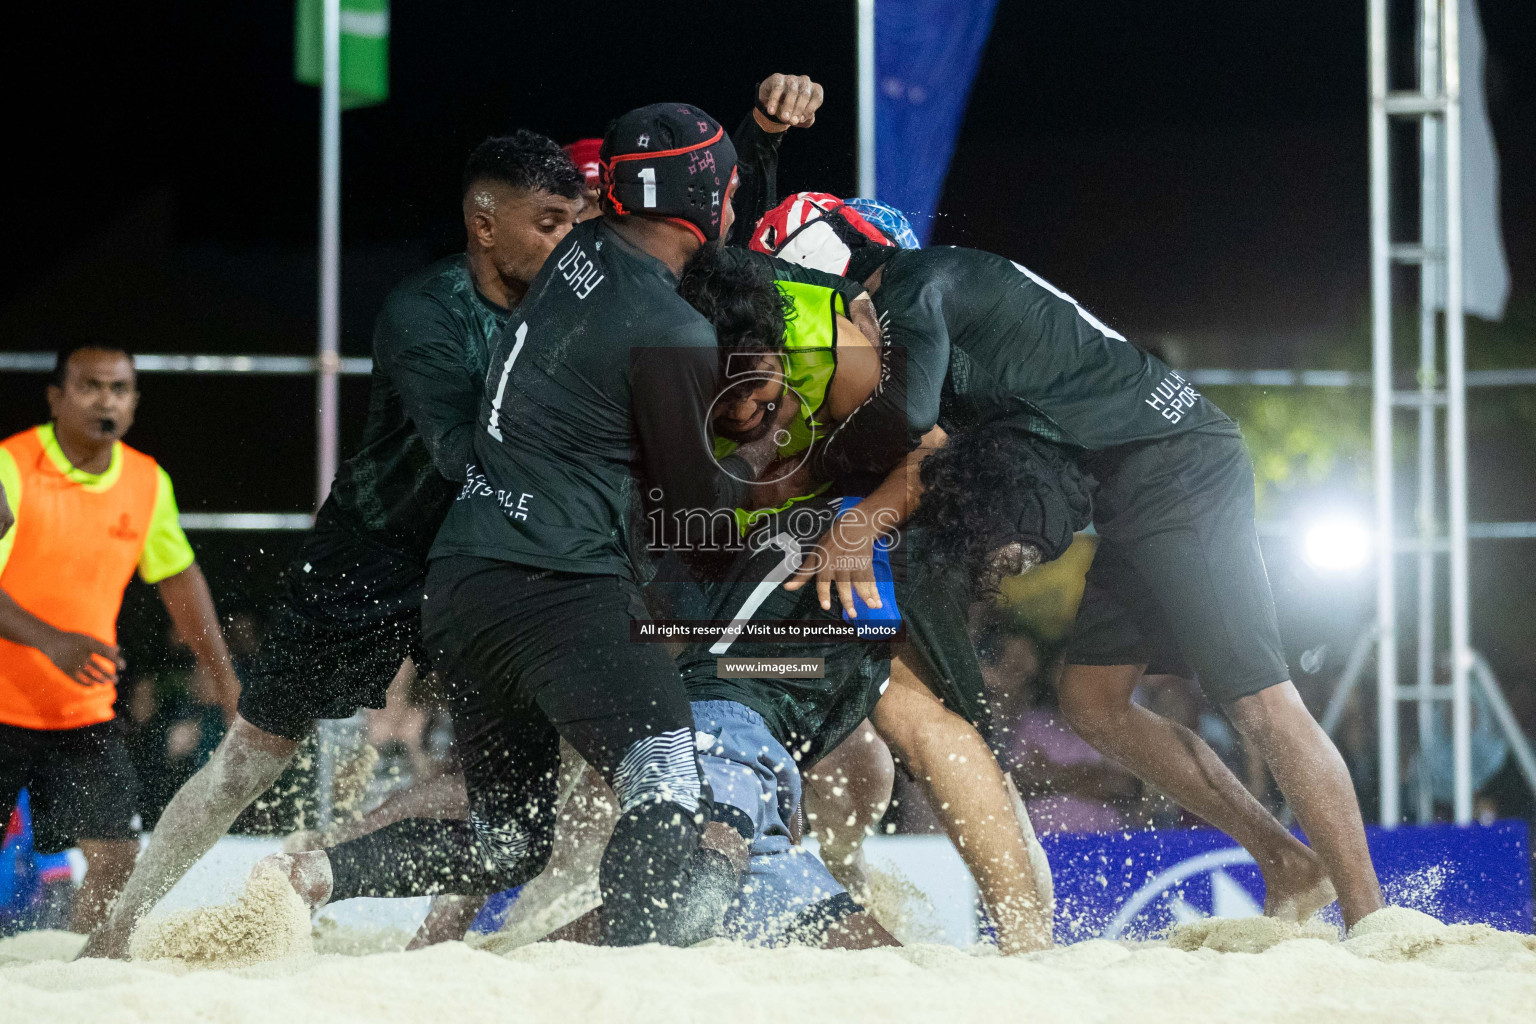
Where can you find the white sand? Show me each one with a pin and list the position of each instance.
(1248, 934)
(1398, 966)
(267, 922)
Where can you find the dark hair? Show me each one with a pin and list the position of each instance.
(741, 301)
(524, 160)
(992, 486)
(61, 359)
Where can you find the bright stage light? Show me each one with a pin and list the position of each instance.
(1337, 544)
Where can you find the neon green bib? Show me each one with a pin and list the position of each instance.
(809, 360)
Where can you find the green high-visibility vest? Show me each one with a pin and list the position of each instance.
(364, 49)
(809, 360)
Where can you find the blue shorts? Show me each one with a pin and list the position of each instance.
(787, 894)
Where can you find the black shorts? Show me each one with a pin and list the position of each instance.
(81, 783)
(531, 655)
(348, 616)
(1178, 581)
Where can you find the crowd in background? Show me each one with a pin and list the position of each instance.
(173, 718)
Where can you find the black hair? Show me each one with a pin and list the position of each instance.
(524, 160)
(64, 354)
(741, 301)
(993, 486)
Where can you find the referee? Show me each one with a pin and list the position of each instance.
(89, 512)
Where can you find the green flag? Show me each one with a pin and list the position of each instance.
(364, 49)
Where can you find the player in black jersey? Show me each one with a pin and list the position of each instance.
(597, 399)
(1178, 580)
(773, 729)
(783, 100)
(350, 612)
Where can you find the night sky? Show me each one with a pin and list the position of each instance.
(1195, 173)
(1187, 169)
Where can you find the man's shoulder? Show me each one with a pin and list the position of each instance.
(140, 461)
(624, 293)
(441, 284)
(926, 275)
(673, 325)
(19, 439)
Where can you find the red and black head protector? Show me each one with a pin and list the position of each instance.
(669, 160)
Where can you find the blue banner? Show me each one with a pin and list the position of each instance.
(1140, 884)
(926, 54)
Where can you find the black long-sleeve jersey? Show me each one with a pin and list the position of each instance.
(757, 163)
(431, 346)
(600, 385)
(975, 338)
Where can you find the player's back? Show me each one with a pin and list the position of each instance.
(1019, 346)
(556, 451)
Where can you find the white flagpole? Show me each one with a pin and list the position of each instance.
(1456, 429)
(866, 72)
(330, 248)
(1381, 419)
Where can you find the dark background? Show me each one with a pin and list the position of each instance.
(1195, 173)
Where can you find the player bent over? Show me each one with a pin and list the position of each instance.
(1178, 579)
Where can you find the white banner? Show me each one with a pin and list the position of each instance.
(1486, 272)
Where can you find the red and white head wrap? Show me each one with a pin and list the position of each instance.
(812, 229)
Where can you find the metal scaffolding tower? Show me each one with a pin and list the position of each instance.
(1436, 106)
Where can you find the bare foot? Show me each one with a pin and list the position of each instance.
(109, 941)
(447, 921)
(857, 931)
(308, 872)
(589, 929)
(303, 841)
(1297, 889)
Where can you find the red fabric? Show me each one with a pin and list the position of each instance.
(583, 153)
(798, 230)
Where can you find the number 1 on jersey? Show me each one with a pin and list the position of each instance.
(506, 371)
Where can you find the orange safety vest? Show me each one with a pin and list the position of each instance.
(74, 553)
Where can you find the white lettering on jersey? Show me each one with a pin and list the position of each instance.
(478, 485)
(1093, 321)
(1173, 397)
(578, 270)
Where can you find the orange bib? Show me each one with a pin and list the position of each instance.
(74, 553)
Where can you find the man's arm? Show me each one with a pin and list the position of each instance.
(190, 604)
(905, 405)
(416, 343)
(85, 659)
(845, 554)
(956, 771)
(787, 101)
